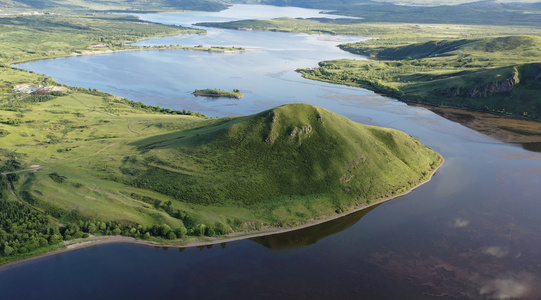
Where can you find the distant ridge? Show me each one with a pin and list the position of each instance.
(119, 5)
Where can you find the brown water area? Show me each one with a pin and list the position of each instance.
(506, 129)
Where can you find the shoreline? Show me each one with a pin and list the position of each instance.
(420, 103)
(85, 52)
(236, 236)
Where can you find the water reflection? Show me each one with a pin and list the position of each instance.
(311, 235)
(534, 147)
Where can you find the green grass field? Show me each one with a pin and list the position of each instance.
(70, 133)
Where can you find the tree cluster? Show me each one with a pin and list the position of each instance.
(23, 229)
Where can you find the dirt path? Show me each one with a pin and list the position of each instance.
(105, 148)
(33, 168)
(131, 130)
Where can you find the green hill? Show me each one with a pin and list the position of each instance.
(127, 168)
(493, 74)
(83, 162)
(287, 164)
(500, 50)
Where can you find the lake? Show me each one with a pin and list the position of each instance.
(471, 232)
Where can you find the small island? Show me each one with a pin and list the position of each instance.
(219, 93)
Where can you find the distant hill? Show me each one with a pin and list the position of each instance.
(515, 48)
(425, 11)
(120, 5)
(414, 11)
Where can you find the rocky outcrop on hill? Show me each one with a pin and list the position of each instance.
(495, 87)
(484, 90)
(538, 76)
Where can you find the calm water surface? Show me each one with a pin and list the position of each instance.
(472, 232)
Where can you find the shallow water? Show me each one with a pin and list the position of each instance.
(472, 232)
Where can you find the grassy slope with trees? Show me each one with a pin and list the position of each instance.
(111, 166)
(60, 131)
(23, 231)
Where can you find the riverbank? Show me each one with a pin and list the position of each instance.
(236, 236)
(213, 49)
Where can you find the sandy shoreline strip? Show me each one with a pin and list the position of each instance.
(236, 236)
(86, 52)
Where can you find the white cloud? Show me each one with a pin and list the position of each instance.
(506, 288)
(459, 223)
(496, 251)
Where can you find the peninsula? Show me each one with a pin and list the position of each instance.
(165, 176)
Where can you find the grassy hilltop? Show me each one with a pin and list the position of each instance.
(288, 164)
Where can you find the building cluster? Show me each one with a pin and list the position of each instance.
(34, 88)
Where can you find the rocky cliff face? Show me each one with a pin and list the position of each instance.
(485, 90)
(495, 87)
(538, 76)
